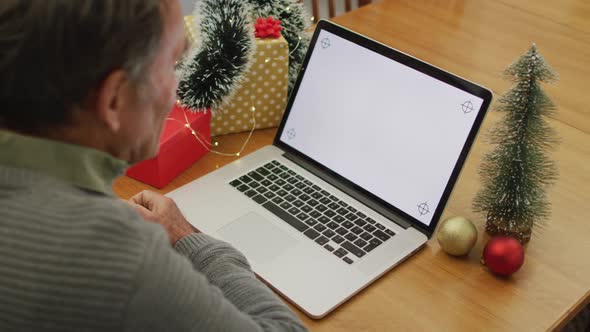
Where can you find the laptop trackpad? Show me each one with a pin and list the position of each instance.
(257, 237)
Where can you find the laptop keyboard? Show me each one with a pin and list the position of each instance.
(339, 228)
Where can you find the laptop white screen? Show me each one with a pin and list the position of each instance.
(386, 127)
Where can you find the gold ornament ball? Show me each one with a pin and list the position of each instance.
(457, 236)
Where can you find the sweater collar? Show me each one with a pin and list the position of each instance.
(77, 165)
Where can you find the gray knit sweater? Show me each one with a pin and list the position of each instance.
(75, 258)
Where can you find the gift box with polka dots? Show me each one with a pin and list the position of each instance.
(262, 97)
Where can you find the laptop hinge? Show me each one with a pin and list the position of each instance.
(347, 190)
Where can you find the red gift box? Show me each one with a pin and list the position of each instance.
(179, 148)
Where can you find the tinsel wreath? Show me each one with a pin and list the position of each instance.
(214, 69)
(215, 66)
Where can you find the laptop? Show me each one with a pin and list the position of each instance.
(370, 145)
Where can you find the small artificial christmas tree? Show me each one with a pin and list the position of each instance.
(517, 172)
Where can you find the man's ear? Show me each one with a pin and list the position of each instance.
(111, 98)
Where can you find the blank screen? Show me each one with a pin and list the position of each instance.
(386, 127)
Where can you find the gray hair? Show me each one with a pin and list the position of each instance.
(53, 53)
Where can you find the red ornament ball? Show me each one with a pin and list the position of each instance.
(503, 255)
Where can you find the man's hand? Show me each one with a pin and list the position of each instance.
(162, 210)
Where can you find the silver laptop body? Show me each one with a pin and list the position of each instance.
(363, 163)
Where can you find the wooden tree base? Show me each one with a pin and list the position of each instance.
(500, 227)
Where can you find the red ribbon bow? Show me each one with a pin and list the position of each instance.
(268, 28)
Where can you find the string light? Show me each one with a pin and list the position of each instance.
(296, 46)
(299, 38)
(207, 145)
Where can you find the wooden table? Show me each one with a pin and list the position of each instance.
(431, 291)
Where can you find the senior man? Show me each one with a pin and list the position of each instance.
(85, 87)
